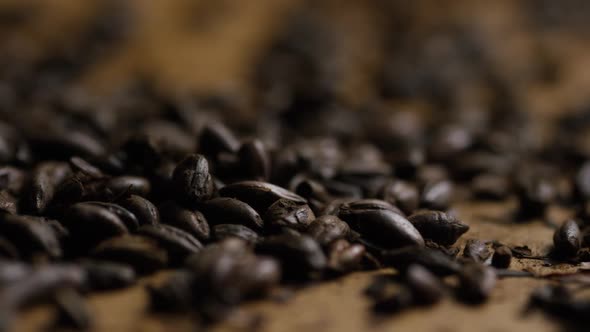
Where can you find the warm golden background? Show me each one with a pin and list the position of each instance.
(213, 47)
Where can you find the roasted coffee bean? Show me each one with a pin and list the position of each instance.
(145, 212)
(224, 210)
(344, 257)
(142, 253)
(125, 215)
(38, 285)
(7, 250)
(191, 180)
(438, 226)
(327, 229)
(61, 143)
(437, 195)
(535, 194)
(191, 221)
(298, 254)
(477, 250)
(107, 275)
(343, 189)
(558, 301)
(476, 283)
(128, 185)
(13, 180)
(72, 310)
(177, 242)
(142, 149)
(90, 224)
(223, 231)
(30, 235)
(567, 239)
(426, 287)
(490, 186)
(287, 213)
(433, 260)
(401, 194)
(502, 257)
(254, 160)
(259, 195)
(384, 228)
(366, 204)
(314, 192)
(173, 295)
(397, 302)
(44, 182)
(13, 271)
(228, 272)
(449, 251)
(8, 203)
(582, 181)
(82, 166)
(216, 138)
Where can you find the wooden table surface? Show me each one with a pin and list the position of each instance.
(220, 57)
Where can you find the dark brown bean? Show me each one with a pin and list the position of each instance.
(477, 250)
(490, 186)
(287, 213)
(128, 185)
(384, 228)
(7, 250)
(582, 180)
(401, 194)
(191, 221)
(426, 287)
(82, 166)
(216, 138)
(225, 210)
(259, 195)
(223, 231)
(397, 302)
(13, 180)
(254, 160)
(39, 284)
(107, 275)
(191, 180)
(142, 253)
(31, 236)
(11, 272)
(438, 226)
(567, 239)
(299, 254)
(366, 204)
(502, 257)
(145, 212)
(125, 215)
(72, 310)
(326, 229)
(173, 295)
(230, 272)
(476, 283)
(345, 257)
(8, 203)
(435, 261)
(89, 224)
(437, 195)
(44, 182)
(176, 241)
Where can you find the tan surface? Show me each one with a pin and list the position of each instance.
(220, 56)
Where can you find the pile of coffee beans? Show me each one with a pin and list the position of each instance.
(98, 192)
